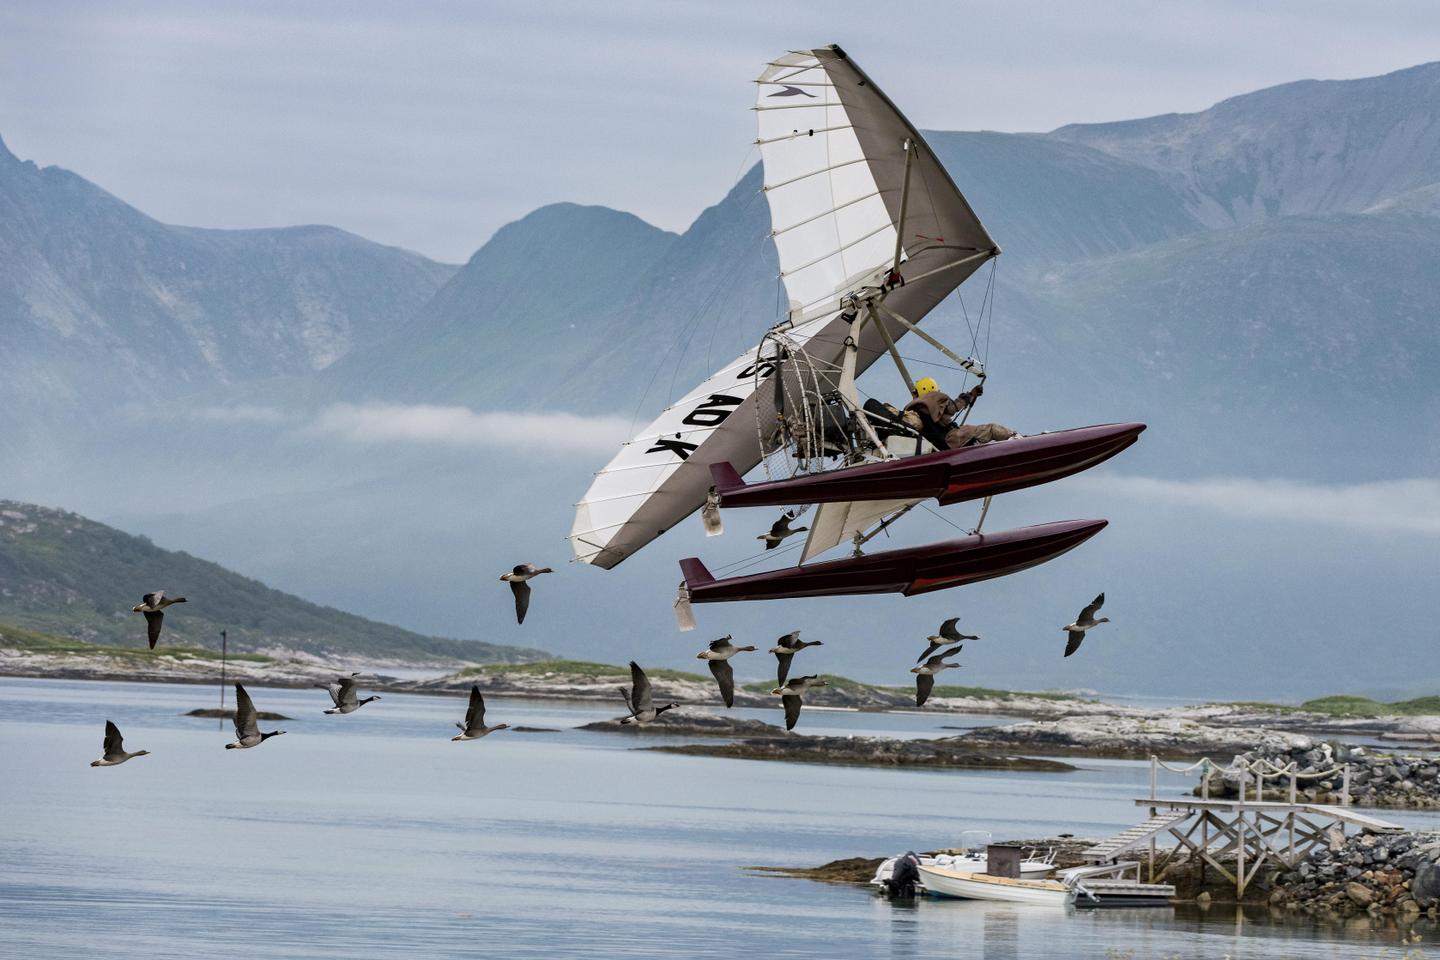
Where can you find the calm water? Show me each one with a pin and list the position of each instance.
(372, 835)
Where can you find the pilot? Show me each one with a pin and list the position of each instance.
(933, 413)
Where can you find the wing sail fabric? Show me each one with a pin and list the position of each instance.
(834, 150)
(836, 523)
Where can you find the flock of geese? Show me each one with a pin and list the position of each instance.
(639, 699)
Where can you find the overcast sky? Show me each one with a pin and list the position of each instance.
(430, 124)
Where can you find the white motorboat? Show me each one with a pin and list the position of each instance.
(973, 860)
(946, 882)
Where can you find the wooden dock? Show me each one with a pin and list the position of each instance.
(1247, 833)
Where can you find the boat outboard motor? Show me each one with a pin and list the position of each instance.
(905, 877)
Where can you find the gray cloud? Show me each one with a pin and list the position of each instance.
(1388, 506)
(461, 427)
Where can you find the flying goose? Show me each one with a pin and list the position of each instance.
(719, 653)
(785, 649)
(342, 691)
(779, 530)
(789, 694)
(247, 725)
(115, 752)
(474, 726)
(517, 578)
(925, 675)
(948, 635)
(638, 698)
(1086, 621)
(152, 605)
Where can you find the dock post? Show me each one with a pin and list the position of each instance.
(1240, 852)
(1154, 771)
(1345, 786)
(1204, 778)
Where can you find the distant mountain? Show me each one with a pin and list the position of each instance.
(580, 308)
(527, 302)
(101, 304)
(63, 574)
(1311, 147)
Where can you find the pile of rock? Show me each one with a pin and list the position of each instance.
(1376, 779)
(1378, 873)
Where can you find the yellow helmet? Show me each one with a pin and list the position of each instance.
(925, 385)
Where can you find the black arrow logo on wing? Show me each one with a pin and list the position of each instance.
(789, 91)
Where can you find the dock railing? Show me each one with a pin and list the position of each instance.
(1262, 769)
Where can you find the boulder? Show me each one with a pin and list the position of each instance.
(1359, 894)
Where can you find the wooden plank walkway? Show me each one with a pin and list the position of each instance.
(1345, 814)
(1107, 850)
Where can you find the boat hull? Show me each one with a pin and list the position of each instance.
(910, 571)
(978, 886)
(1029, 869)
(950, 476)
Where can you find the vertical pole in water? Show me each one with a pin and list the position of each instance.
(1345, 787)
(1154, 768)
(224, 650)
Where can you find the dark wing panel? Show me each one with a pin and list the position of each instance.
(521, 589)
(725, 677)
(475, 715)
(153, 619)
(114, 743)
(246, 723)
(783, 667)
(640, 699)
(1089, 612)
(1076, 638)
(924, 683)
(792, 710)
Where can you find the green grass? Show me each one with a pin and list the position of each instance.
(986, 693)
(580, 668)
(1345, 705)
(31, 641)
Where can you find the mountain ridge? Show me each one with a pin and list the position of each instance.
(65, 574)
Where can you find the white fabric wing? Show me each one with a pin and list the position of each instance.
(835, 152)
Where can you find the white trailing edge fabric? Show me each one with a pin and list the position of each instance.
(836, 523)
(834, 152)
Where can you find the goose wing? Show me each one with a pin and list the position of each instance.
(246, 722)
(725, 677)
(782, 667)
(948, 631)
(335, 692)
(344, 691)
(153, 619)
(1076, 638)
(934, 645)
(640, 699)
(721, 645)
(521, 589)
(924, 683)
(475, 714)
(1088, 614)
(792, 709)
(153, 598)
(114, 743)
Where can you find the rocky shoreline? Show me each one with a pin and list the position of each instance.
(1376, 778)
(1052, 725)
(865, 751)
(1378, 874)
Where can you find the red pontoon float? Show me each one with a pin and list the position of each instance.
(950, 476)
(909, 571)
